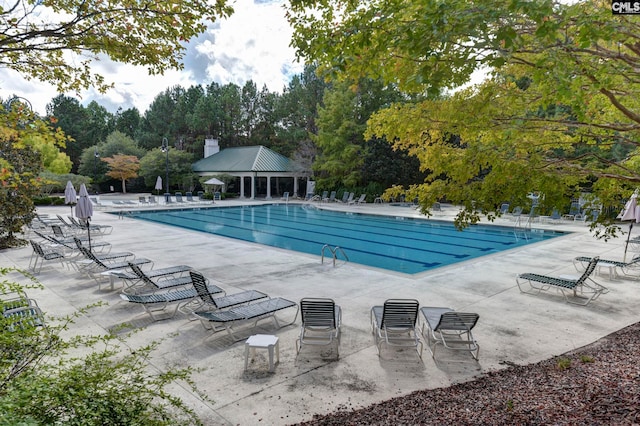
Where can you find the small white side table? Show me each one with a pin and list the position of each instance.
(264, 341)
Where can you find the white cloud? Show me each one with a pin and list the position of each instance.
(253, 44)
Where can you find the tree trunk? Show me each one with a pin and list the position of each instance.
(124, 186)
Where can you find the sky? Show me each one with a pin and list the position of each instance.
(253, 44)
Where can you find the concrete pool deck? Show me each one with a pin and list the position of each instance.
(513, 328)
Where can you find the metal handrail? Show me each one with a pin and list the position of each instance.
(334, 254)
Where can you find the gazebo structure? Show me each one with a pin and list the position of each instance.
(258, 166)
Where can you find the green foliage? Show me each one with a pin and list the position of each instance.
(563, 363)
(557, 113)
(343, 152)
(22, 139)
(85, 380)
(154, 164)
(39, 39)
(586, 359)
(52, 182)
(117, 143)
(48, 201)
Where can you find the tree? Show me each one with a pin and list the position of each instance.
(127, 121)
(563, 90)
(340, 140)
(116, 143)
(154, 164)
(343, 149)
(38, 37)
(70, 117)
(24, 141)
(122, 167)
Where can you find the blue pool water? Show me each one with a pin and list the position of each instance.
(394, 243)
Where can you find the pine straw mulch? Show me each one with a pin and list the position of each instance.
(594, 385)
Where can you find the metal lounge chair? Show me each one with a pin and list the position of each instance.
(69, 245)
(142, 282)
(97, 266)
(254, 312)
(23, 317)
(208, 302)
(361, 200)
(630, 269)
(583, 288)
(109, 256)
(189, 197)
(41, 254)
(155, 302)
(100, 229)
(394, 324)
(321, 321)
(450, 329)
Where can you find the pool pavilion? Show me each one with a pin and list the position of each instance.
(263, 171)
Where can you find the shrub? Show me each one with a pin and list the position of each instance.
(41, 383)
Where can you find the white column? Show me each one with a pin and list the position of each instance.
(268, 187)
(253, 187)
(241, 186)
(295, 186)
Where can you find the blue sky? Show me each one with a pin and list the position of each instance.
(253, 44)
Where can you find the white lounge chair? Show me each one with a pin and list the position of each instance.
(321, 321)
(394, 324)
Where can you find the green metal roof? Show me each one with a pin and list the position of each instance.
(244, 159)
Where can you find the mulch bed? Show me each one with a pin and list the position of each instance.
(594, 385)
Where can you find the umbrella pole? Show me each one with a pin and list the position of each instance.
(626, 246)
(89, 233)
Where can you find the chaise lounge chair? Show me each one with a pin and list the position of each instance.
(321, 321)
(330, 199)
(97, 266)
(631, 269)
(23, 317)
(42, 255)
(20, 312)
(582, 291)
(450, 329)
(142, 282)
(100, 229)
(159, 301)
(208, 302)
(394, 324)
(253, 312)
(361, 200)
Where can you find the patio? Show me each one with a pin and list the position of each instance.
(513, 327)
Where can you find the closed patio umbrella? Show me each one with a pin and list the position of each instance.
(84, 210)
(158, 186)
(70, 196)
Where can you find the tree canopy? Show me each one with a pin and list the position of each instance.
(36, 38)
(559, 108)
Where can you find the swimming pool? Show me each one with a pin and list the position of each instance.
(394, 243)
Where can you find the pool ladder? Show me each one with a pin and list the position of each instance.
(334, 253)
